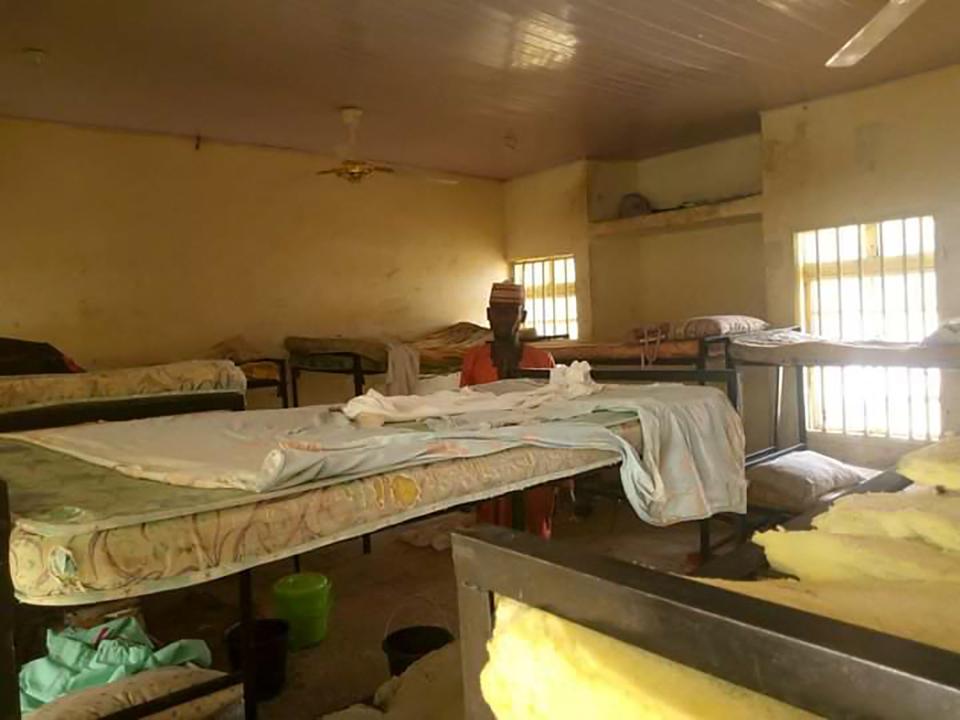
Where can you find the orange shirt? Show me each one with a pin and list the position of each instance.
(478, 367)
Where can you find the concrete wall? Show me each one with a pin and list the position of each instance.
(706, 173)
(885, 152)
(546, 214)
(125, 248)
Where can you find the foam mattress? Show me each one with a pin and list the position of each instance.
(84, 533)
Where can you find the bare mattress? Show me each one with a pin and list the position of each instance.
(84, 533)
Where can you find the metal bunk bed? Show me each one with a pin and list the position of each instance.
(826, 667)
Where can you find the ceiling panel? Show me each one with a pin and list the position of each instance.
(444, 82)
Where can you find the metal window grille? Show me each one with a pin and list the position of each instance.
(550, 286)
(873, 281)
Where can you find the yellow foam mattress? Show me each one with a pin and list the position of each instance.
(542, 667)
(85, 534)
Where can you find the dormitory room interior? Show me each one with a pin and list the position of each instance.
(479, 359)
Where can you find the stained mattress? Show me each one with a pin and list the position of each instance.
(789, 347)
(21, 392)
(85, 534)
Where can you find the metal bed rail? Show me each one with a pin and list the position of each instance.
(827, 667)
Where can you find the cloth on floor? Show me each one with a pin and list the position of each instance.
(542, 666)
(435, 532)
(84, 658)
(403, 368)
(691, 466)
(430, 689)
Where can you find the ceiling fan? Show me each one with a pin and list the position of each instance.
(354, 170)
(888, 19)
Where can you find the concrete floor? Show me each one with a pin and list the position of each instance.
(398, 584)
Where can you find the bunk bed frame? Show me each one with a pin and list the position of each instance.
(827, 667)
(9, 605)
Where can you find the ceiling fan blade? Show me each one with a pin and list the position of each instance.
(890, 17)
(330, 171)
(426, 175)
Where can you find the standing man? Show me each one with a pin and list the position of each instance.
(499, 360)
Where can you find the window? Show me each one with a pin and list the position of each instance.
(875, 281)
(550, 286)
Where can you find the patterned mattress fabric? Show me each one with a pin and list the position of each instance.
(19, 392)
(790, 347)
(85, 534)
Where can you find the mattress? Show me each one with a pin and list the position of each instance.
(85, 534)
(24, 392)
(441, 351)
(638, 353)
(789, 347)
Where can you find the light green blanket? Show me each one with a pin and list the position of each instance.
(78, 659)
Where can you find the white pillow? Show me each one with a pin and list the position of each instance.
(795, 481)
(708, 325)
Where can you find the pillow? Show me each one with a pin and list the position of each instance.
(98, 702)
(947, 334)
(708, 325)
(795, 481)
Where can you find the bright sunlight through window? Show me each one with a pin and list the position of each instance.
(550, 286)
(875, 281)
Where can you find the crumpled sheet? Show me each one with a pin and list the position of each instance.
(83, 658)
(691, 467)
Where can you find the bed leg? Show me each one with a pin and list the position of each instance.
(705, 551)
(801, 408)
(283, 390)
(295, 385)
(367, 543)
(358, 379)
(296, 564)
(777, 405)
(249, 656)
(9, 676)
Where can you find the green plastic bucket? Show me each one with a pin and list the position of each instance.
(304, 601)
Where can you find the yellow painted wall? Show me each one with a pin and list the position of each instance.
(706, 173)
(546, 214)
(125, 248)
(641, 279)
(885, 152)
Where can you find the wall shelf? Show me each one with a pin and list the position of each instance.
(722, 213)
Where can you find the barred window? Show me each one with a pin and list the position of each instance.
(550, 287)
(872, 281)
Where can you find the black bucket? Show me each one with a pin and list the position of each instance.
(269, 650)
(407, 645)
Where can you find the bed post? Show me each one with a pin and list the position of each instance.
(249, 652)
(9, 676)
(358, 379)
(801, 408)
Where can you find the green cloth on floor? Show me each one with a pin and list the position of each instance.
(78, 659)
